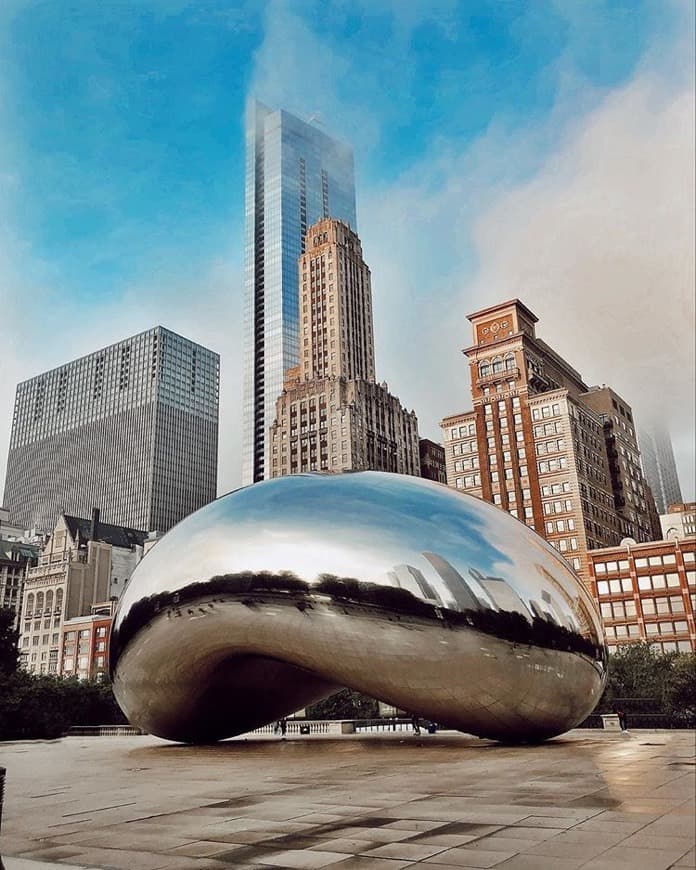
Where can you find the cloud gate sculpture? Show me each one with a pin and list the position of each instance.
(278, 594)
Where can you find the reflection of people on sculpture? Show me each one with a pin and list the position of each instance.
(415, 722)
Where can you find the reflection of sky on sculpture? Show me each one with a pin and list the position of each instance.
(356, 525)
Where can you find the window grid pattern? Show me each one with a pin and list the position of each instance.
(95, 433)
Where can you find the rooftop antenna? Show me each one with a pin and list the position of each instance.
(315, 118)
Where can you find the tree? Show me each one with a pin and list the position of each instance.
(681, 693)
(45, 706)
(345, 704)
(641, 670)
(9, 654)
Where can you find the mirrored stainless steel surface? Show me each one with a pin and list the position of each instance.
(277, 594)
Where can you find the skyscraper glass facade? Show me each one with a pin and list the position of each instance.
(131, 429)
(295, 174)
(660, 466)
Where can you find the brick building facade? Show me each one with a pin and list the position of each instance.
(647, 592)
(542, 445)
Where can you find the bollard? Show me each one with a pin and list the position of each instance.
(2, 791)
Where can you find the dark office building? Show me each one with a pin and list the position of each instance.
(432, 460)
(132, 428)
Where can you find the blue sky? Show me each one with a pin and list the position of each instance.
(121, 171)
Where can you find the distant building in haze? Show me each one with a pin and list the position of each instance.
(132, 427)
(542, 445)
(295, 175)
(332, 415)
(660, 467)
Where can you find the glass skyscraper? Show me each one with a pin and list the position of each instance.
(295, 175)
(131, 429)
(660, 467)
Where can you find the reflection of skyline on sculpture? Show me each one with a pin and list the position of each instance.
(428, 600)
(217, 542)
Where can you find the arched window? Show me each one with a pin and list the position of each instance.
(59, 600)
(30, 604)
(484, 368)
(49, 600)
(39, 603)
(509, 362)
(497, 364)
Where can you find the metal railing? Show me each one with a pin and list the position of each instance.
(2, 791)
(295, 726)
(657, 721)
(502, 375)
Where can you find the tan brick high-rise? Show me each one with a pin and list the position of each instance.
(543, 446)
(332, 414)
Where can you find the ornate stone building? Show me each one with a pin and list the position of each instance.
(15, 558)
(332, 414)
(542, 445)
(84, 565)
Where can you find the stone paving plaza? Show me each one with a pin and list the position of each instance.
(590, 799)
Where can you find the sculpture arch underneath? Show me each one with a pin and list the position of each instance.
(274, 596)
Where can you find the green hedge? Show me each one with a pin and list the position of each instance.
(44, 707)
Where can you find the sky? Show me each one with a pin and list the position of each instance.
(539, 149)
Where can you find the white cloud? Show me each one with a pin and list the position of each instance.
(598, 241)
(41, 330)
(597, 238)
(600, 244)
